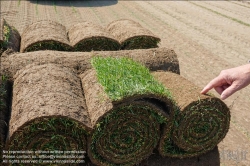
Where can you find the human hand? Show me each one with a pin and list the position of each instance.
(229, 81)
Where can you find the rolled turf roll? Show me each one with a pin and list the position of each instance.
(126, 107)
(201, 123)
(132, 35)
(9, 37)
(87, 36)
(48, 110)
(44, 35)
(154, 59)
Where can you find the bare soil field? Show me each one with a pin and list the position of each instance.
(207, 36)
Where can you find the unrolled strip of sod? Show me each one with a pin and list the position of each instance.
(87, 36)
(154, 59)
(201, 123)
(44, 35)
(48, 110)
(126, 107)
(9, 37)
(132, 35)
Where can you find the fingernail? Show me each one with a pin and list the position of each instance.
(222, 97)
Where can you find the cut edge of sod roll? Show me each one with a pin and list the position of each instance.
(201, 123)
(45, 35)
(126, 117)
(87, 36)
(48, 110)
(132, 35)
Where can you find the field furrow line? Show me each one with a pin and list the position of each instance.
(230, 9)
(51, 13)
(212, 42)
(76, 12)
(241, 4)
(40, 7)
(69, 16)
(95, 12)
(5, 6)
(85, 11)
(139, 16)
(107, 14)
(10, 11)
(223, 15)
(210, 22)
(23, 17)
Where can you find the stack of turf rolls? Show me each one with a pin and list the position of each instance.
(133, 111)
(110, 105)
(200, 123)
(48, 110)
(44, 35)
(126, 106)
(9, 37)
(87, 36)
(132, 35)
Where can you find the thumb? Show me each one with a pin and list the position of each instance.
(229, 91)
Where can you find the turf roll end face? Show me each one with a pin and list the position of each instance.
(48, 110)
(126, 108)
(200, 123)
(201, 126)
(140, 42)
(48, 45)
(50, 134)
(126, 135)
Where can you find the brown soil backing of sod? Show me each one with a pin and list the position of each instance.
(5, 100)
(116, 122)
(41, 93)
(44, 35)
(188, 137)
(9, 37)
(87, 36)
(155, 59)
(132, 35)
(1, 30)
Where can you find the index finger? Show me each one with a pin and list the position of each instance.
(218, 81)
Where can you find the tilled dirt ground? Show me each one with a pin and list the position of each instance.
(208, 36)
